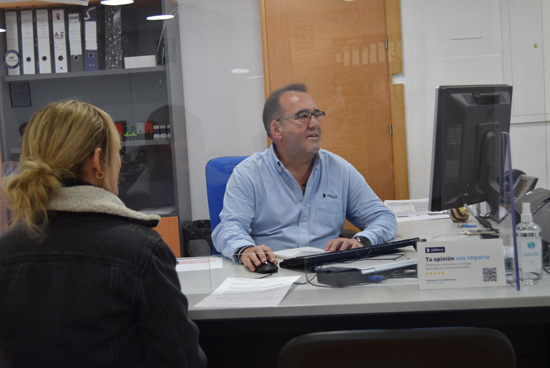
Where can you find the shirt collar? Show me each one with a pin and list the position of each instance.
(279, 166)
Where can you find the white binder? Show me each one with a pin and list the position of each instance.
(44, 41)
(12, 57)
(59, 41)
(91, 59)
(27, 42)
(76, 61)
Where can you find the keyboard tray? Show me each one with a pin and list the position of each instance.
(314, 260)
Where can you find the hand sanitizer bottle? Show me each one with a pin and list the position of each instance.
(529, 243)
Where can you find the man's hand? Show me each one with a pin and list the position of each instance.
(255, 256)
(342, 244)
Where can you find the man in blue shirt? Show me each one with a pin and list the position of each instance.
(296, 194)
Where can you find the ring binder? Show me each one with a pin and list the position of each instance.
(59, 41)
(113, 37)
(90, 39)
(27, 42)
(76, 61)
(44, 41)
(12, 57)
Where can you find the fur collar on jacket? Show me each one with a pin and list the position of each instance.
(89, 198)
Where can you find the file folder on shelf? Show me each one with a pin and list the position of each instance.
(113, 37)
(12, 57)
(90, 39)
(27, 42)
(43, 41)
(76, 61)
(59, 41)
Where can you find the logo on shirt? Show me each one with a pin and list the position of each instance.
(330, 196)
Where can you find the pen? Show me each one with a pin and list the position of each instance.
(468, 225)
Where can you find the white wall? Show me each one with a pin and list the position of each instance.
(444, 42)
(458, 42)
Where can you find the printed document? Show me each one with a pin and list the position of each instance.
(248, 293)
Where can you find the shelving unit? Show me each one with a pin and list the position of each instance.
(30, 3)
(132, 95)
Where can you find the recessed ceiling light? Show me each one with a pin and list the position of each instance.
(117, 2)
(240, 71)
(160, 17)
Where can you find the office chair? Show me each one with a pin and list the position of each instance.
(447, 347)
(218, 171)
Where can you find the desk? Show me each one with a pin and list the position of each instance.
(519, 314)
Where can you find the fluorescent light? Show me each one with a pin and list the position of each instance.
(117, 2)
(240, 71)
(160, 17)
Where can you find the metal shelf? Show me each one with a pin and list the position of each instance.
(97, 73)
(42, 4)
(148, 142)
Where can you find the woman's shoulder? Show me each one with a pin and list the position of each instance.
(88, 238)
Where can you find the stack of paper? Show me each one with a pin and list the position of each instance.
(413, 210)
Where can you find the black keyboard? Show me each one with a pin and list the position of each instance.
(314, 260)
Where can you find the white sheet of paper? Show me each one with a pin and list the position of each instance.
(198, 263)
(413, 210)
(421, 217)
(248, 293)
(297, 252)
(76, 2)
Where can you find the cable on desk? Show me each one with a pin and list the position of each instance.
(485, 223)
(372, 279)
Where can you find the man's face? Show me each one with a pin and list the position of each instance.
(299, 137)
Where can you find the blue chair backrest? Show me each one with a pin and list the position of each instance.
(218, 171)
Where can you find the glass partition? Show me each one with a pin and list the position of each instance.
(439, 43)
(127, 79)
(115, 58)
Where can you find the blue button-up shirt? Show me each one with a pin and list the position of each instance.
(264, 205)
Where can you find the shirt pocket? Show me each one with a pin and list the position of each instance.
(329, 215)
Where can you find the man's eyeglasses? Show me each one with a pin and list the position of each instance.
(305, 116)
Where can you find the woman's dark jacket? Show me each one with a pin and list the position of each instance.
(100, 290)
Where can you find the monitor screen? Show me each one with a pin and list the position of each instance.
(466, 145)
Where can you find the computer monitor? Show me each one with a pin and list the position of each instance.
(466, 161)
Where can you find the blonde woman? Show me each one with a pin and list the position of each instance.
(85, 281)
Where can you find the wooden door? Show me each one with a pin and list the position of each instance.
(338, 48)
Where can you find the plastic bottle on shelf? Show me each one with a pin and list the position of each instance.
(529, 243)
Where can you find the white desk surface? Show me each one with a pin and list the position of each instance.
(308, 300)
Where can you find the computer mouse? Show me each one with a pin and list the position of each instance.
(267, 267)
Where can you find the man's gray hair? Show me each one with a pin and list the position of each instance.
(273, 109)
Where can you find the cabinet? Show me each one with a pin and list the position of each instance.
(148, 179)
